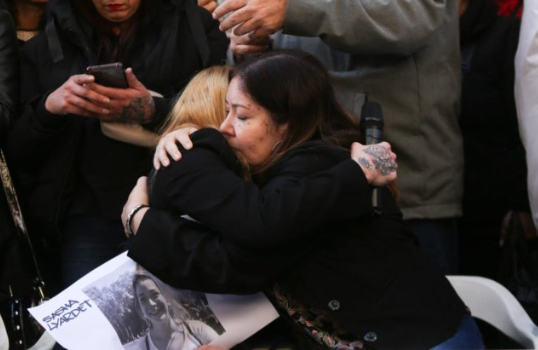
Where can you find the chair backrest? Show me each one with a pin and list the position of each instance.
(491, 302)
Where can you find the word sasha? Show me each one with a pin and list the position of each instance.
(68, 312)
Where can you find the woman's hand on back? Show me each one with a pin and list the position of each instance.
(378, 162)
(167, 146)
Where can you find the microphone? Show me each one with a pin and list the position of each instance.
(371, 125)
(372, 122)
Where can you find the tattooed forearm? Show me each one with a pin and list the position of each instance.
(139, 111)
(382, 159)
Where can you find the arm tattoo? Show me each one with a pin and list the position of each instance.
(139, 111)
(382, 160)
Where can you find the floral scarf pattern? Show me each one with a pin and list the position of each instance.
(315, 323)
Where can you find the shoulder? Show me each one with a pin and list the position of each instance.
(201, 331)
(137, 344)
(5, 16)
(211, 140)
(7, 26)
(210, 151)
(312, 156)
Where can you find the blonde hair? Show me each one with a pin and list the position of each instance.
(203, 101)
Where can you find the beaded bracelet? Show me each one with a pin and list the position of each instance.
(128, 230)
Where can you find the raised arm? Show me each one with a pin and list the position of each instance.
(398, 27)
(202, 185)
(243, 224)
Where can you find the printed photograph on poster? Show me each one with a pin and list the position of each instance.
(120, 305)
(143, 311)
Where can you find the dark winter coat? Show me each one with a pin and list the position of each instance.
(70, 167)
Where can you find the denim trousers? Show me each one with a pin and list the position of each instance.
(88, 242)
(468, 337)
(438, 239)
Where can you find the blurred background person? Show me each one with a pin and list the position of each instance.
(58, 145)
(495, 166)
(28, 16)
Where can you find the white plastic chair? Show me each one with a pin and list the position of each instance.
(491, 302)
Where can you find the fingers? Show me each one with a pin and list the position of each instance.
(242, 16)
(209, 5)
(132, 81)
(81, 79)
(162, 151)
(160, 158)
(244, 44)
(75, 97)
(227, 7)
(167, 146)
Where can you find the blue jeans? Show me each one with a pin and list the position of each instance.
(438, 238)
(87, 243)
(467, 337)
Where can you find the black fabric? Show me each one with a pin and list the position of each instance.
(309, 228)
(73, 167)
(478, 17)
(495, 177)
(9, 74)
(519, 267)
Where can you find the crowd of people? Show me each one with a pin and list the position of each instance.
(244, 116)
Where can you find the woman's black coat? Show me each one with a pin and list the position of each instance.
(9, 74)
(70, 167)
(310, 228)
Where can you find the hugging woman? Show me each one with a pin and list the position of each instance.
(303, 228)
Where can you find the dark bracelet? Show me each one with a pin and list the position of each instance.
(128, 230)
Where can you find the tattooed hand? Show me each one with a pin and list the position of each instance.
(134, 104)
(378, 162)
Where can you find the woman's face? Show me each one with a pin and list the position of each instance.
(153, 304)
(248, 127)
(117, 11)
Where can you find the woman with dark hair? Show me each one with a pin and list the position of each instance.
(78, 178)
(304, 231)
(169, 324)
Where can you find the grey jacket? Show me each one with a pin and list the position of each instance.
(405, 55)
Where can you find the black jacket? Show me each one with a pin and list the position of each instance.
(9, 74)
(495, 165)
(73, 167)
(310, 228)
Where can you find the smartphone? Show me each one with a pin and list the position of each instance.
(111, 75)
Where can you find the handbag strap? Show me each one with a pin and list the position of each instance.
(20, 226)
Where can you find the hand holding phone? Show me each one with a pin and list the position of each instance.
(111, 75)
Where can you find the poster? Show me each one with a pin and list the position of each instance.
(120, 305)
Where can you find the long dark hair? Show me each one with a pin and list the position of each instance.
(295, 88)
